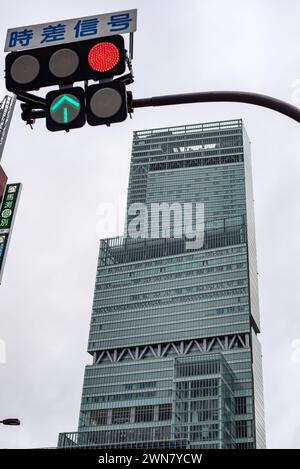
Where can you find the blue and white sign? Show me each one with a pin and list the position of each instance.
(65, 31)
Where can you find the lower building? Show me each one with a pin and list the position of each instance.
(184, 364)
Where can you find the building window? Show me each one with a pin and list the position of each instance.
(144, 413)
(98, 417)
(204, 388)
(244, 446)
(162, 433)
(164, 412)
(243, 429)
(204, 432)
(204, 410)
(240, 405)
(121, 415)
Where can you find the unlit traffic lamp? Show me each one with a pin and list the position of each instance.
(65, 109)
(106, 103)
(94, 59)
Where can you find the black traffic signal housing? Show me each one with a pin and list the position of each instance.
(65, 109)
(106, 103)
(63, 64)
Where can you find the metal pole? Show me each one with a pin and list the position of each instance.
(203, 97)
(217, 96)
(130, 46)
(35, 102)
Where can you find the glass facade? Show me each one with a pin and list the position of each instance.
(173, 334)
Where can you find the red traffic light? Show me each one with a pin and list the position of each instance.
(103, 56)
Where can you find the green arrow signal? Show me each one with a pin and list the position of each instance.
(64, 102)
(61, 100)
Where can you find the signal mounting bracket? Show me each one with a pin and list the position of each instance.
(131, 46)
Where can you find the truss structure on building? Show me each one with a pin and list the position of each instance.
(180, 348)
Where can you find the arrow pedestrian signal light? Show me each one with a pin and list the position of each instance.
(65, 109)
(106, 103)
(63, 64)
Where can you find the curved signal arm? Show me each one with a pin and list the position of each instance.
(220, 96)
(34, 102)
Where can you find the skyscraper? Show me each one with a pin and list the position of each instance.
(176, 358)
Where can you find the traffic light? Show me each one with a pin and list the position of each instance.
(94, 59)
(106, 103)
(65, 109)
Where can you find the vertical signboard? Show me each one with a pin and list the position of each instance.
(7, 216)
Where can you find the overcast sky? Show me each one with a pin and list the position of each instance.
(47, 288)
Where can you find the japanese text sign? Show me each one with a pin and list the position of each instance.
(66, 31)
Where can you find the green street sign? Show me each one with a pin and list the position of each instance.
(65, 108)
(7, 215)
(8, 206)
